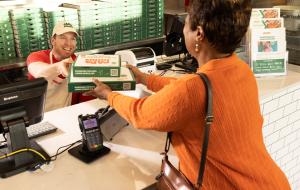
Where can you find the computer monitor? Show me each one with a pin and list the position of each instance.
(21, 104)
(175, 43)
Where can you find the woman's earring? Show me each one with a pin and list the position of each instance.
(197, 45)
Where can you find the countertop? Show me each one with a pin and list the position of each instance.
(268, 86)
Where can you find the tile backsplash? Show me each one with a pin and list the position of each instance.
(281, 131)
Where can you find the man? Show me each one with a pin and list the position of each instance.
(54, 65)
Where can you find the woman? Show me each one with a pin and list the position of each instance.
(267, 46)
(237, 157)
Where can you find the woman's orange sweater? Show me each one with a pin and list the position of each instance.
(237, 157)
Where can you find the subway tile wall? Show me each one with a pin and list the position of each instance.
(281, 131)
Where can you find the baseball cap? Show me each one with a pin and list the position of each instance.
(63, 27)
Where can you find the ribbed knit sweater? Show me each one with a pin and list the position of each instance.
(237, 157)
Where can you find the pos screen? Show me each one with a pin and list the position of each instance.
(90, 123)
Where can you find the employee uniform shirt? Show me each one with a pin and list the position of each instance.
(57, 91)
(237, 157)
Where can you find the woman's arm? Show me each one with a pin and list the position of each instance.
(153, 82)
(167, 110)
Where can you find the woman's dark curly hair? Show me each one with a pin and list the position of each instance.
(224, 22)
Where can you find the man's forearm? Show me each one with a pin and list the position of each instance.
(40, 69)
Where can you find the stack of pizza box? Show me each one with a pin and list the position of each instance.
(106, 68)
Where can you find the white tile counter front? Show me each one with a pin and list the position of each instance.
(280, 106)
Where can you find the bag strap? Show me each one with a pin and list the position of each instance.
(168, 142)
(208, 120)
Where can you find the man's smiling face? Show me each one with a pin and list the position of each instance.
(64, 45)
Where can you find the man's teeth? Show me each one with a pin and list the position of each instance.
(66, 49)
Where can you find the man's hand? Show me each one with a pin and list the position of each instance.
(140, 77)
(50, 71)
(101, 90)
(63, 66)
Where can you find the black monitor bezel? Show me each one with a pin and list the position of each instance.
(29, 95)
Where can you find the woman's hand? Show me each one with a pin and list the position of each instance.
(140, 77)
(101, 90)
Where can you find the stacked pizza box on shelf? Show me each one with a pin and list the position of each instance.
(267, 38)
(7, 45)
(90, 16)
(106, 68)
(107, 23)
(29, 30)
